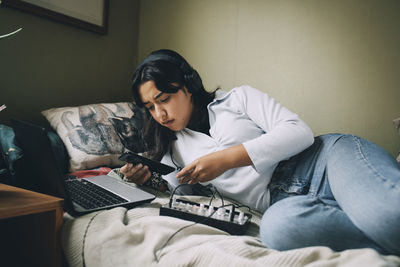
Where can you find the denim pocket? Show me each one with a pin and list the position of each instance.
(287, 180)
(302, 174)
(293, 176)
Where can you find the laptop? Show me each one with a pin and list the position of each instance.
(108, 192)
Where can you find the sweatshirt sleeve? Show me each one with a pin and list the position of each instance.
(285, 134)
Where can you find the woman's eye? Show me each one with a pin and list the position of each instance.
(150, 107)
(165, 99)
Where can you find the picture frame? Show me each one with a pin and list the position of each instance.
(90, 15)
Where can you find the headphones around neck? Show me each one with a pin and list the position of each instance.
(191, 77)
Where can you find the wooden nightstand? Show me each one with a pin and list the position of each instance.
(30, 225)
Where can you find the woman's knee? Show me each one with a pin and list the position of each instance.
(302, 221)
(279, 225)
(358, 167)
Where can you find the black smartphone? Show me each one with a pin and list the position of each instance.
(153, 165)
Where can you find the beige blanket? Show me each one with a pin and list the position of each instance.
(140, 237)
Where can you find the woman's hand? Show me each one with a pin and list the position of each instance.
(202, 169)
(137, 174)
(210, 166)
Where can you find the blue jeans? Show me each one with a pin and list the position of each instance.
(342, 192)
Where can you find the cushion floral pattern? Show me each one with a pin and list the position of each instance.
(95, 135)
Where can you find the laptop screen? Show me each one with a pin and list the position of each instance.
(37, 150)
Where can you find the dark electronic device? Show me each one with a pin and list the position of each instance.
(153, 165)
(229, 220)
(82, 195)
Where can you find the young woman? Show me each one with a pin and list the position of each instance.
(333, 190)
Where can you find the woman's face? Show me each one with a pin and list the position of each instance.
(172, 110)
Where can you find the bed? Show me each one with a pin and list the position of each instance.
(140, 236)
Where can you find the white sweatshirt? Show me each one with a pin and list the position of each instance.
(269, 132)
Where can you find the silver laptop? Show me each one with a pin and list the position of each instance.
(80, 195)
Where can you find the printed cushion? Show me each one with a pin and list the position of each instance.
(95, 135)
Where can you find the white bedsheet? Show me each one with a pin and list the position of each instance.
(137, 237)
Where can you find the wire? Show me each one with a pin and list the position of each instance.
(215, 190)
(201, 222)
(171, 198)
(187, 226)
(173, 161)
(213, 195)
(11, 33)
(244, 206)
(3, 107)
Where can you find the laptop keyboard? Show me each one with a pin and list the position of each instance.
(91, 196)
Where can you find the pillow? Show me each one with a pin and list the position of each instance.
(95, 135)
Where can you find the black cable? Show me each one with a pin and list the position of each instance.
(173, 161)
(202, 221)
(212, 197)
(214, 191)
(171, 198)
(219, 194)
(187, 226)
(243, 206)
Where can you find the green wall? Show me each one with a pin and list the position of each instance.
(335, 63)
(50, 64)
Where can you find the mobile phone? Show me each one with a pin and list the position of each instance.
(153, 165)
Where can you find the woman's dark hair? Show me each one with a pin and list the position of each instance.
(170, 72)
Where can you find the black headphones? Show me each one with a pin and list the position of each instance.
(191, 77)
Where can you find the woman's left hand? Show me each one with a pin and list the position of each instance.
(202, 169)
(210, 166)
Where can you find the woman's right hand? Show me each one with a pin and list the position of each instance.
(137, 174)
